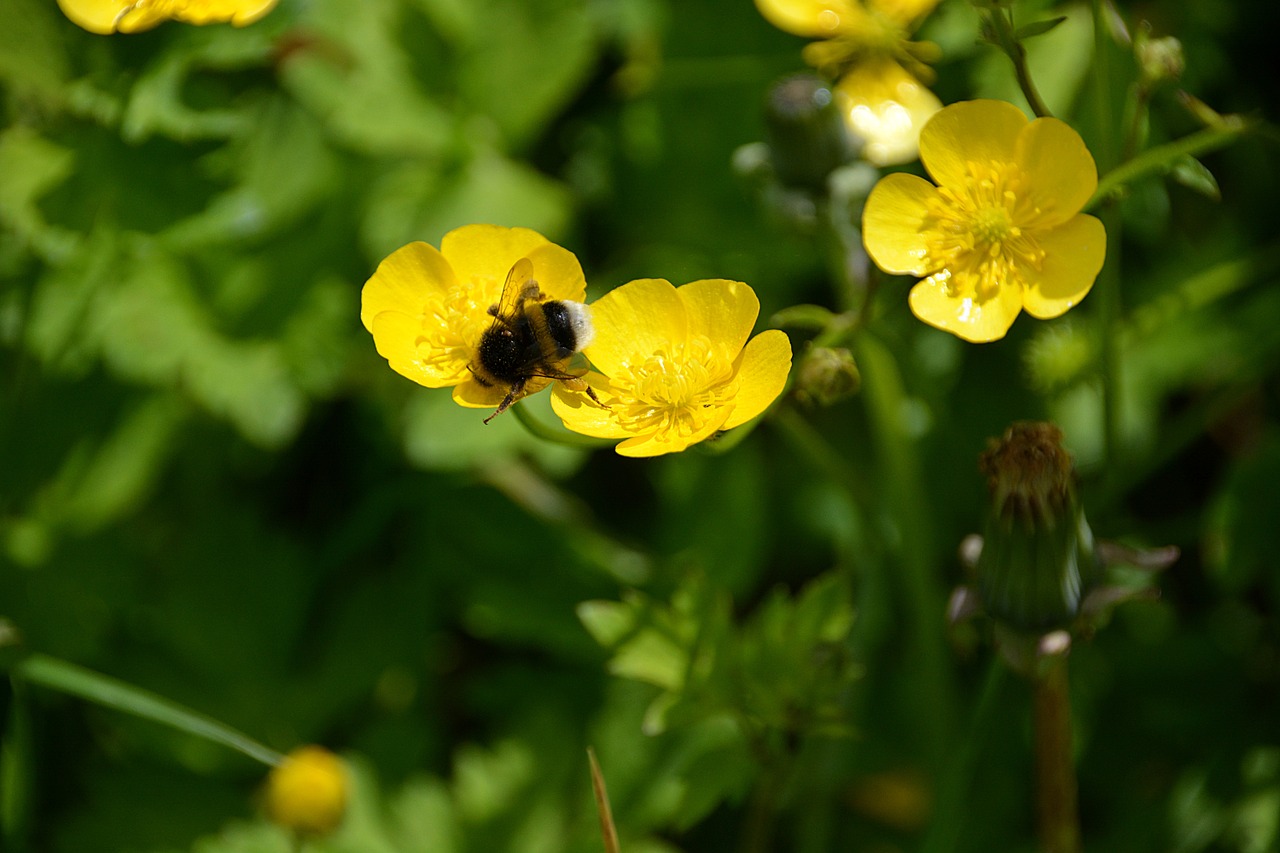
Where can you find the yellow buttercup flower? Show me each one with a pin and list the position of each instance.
(131, 16)
(867, 46)
(673, 365)
(307, 792)
(427, 310)
(1002, 230)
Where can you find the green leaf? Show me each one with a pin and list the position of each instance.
(1037, 28)
(356, 74)
(418, 202)
(30, 167)
(812, 317)
(1195, 176)
(33, 55)
(542, 49)
(111, 693)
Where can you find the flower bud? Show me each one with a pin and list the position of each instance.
(806, 134)
(1159, 59)
(307, 792)
(1037, 559)
(826, 376)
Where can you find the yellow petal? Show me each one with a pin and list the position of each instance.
(1060, 170)
(893, 222)
(810, 18)
(669, 441)
(404, 282)
(981, 131)
(580, 414)
(964, 316)
(473, 395)
(397, 337)
(127, 16)
(1074, 253)
(482, 255)
(886, 107)
(762, 374)
(237, 12)
(101, 16)
(724, 311)
(635, 321)
(903, 12)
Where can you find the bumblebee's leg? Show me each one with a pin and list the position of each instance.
(578, 383)
(516, 392)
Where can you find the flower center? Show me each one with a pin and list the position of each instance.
(673, 393)
(453, 322)
(973, 231)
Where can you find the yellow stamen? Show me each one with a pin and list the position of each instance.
(974, 231)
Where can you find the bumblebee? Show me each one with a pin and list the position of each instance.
(531, 338)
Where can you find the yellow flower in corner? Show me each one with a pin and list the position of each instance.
(123, 16)
(307, 792)
(673, 366)
(1001, 231)
(427, 309)
(866, 44)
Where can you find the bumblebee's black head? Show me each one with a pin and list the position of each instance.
(503, 353)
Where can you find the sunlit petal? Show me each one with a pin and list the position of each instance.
(964, 315)
(399, 339)
(1074, 253)
(893, 223)
(762, 374)
(723, 311)
(404, 281)
(886, 107)
(660, 443)
(482, 255)
(1059, 168)
(903, 12)
(810, 18)
(633, 321)
(969, 132)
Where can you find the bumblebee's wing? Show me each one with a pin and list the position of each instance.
(519, 287)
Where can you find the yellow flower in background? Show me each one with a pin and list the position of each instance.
(1002, 230)
(122, 16)
(307, 792)
(428, 309)
(673, 366)
(867, 46)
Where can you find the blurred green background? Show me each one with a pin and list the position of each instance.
(212, 487)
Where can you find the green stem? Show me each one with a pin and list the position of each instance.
(1159, 160)
(1056, 789)
(540, 429)
(1001, 22)
(944, 830)
(905, 507)
(110, 693)
(1108, 289)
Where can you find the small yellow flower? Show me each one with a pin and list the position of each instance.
(671, 366)
(866, 44)
(1002, 231)
(428, 309)
(307, 792)
(131, 16)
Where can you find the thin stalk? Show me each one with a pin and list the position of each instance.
(1158, 160)
(1109, 307)
(109, 692)
(944, 830)
(1001, 21)
(1056, 789)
